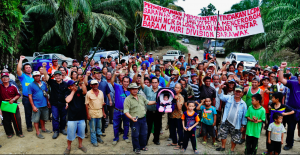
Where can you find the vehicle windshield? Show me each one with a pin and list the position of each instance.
(61, 56)
(99, 55)
(219, 44)
(172, 52)
(245, 58)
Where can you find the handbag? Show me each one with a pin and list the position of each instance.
(7, 107)
(44, 92)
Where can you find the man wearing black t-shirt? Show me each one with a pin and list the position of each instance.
(76, 114)
(206, 90)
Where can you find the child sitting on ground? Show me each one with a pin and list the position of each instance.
(256, 114)
(276, 131)
(209, 117)
(190, 119)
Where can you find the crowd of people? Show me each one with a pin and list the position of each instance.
(210, 101)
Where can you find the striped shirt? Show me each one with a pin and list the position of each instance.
(195, 89)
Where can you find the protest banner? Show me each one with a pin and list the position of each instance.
(233, 25)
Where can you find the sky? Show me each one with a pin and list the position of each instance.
(193, 6)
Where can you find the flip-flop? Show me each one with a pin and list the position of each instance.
(170, 144)
(67, 152)
(10, 136)
(176, 148)
(145, 149)
(21, 136)
(83, 149)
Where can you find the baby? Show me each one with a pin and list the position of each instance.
(165, 105)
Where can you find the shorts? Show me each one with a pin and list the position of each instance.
(76, 126)
(208, 129)
(219, 116)
(41, 114)
(275, 146)
(226, 128)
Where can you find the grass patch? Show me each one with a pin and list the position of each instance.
(177, 45)
(199, 42)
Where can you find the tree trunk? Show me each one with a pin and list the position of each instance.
(75, 34)
(141, 46)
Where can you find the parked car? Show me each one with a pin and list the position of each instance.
(171, 54)
(113, 54)
(97, 50)
(211, 45)
(182, 40)
(38, 60)
(186, 41)
(248, 59)
(30, 58)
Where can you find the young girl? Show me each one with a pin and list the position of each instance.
(190, 119)
(209, 117)
(275, 134)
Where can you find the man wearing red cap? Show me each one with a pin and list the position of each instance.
(9, 93)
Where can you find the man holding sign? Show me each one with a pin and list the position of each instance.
(9, 94)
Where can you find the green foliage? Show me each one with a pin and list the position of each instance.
(10, 21)
(208, 11)
(84, 39)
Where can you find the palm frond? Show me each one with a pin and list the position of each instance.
(47, 36)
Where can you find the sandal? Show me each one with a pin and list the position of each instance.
(83, 149)
(145, 149)
(10, 136)
(176, 148)
(182, 150)
(21, 136)
(67, 151)
(171, 144)
(137, 151)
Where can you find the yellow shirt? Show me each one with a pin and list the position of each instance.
(95, 103)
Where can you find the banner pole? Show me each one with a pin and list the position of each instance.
(216, 34)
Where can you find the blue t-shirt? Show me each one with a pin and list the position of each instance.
(294, 98)
(146, 62)
(120, 95)
(208, 115)
(25, 81)
(190, 120)
(37, 94)
(103, 86)
(185, 64)
(162, 81)
(151, 60)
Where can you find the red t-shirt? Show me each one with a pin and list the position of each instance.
(7, 93)
(266, 99)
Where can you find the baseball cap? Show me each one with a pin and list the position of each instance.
(182, 68)
(232, 80)
(224, 62)
(96, 62)
(251, 72)
(230, 73)
(194, 75)
(184, 76)
(267, 69)
(57, 72)
(275, 67)
(86, 56)
(102, 57)
(175, 72)
(150, 53)
(255, 79)
(71, 82)
(36, 73)
(94, 82)
(178, 63)
(238, 88)
(109, 56)
(288, 69)
(54, 59)
(74, 60)
(210, 65)
(97, 70)
(4, 74)
(157, 69)
(265, 77)
(193, 67)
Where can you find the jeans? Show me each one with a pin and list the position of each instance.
(291, 129)
(176, 123)
(59, 114)
(139, 131)
(117, 123)
(95, 129)
(155, 118)
(75, 127)
(104, 120)
(28, 111)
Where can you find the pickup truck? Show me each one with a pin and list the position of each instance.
(171, 54)
(209, 46)
(38, 60)
(30, 58)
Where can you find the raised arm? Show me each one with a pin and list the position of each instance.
(19, 67)
(45, 72)
(189, 59)
(149, 68)
(200, 78)
(225, 66)
(142, 80)
(135, 77)
(207, 64)
(88, 73)
(162, 71)
(70, 97)
(280, 76)
(112, 82)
